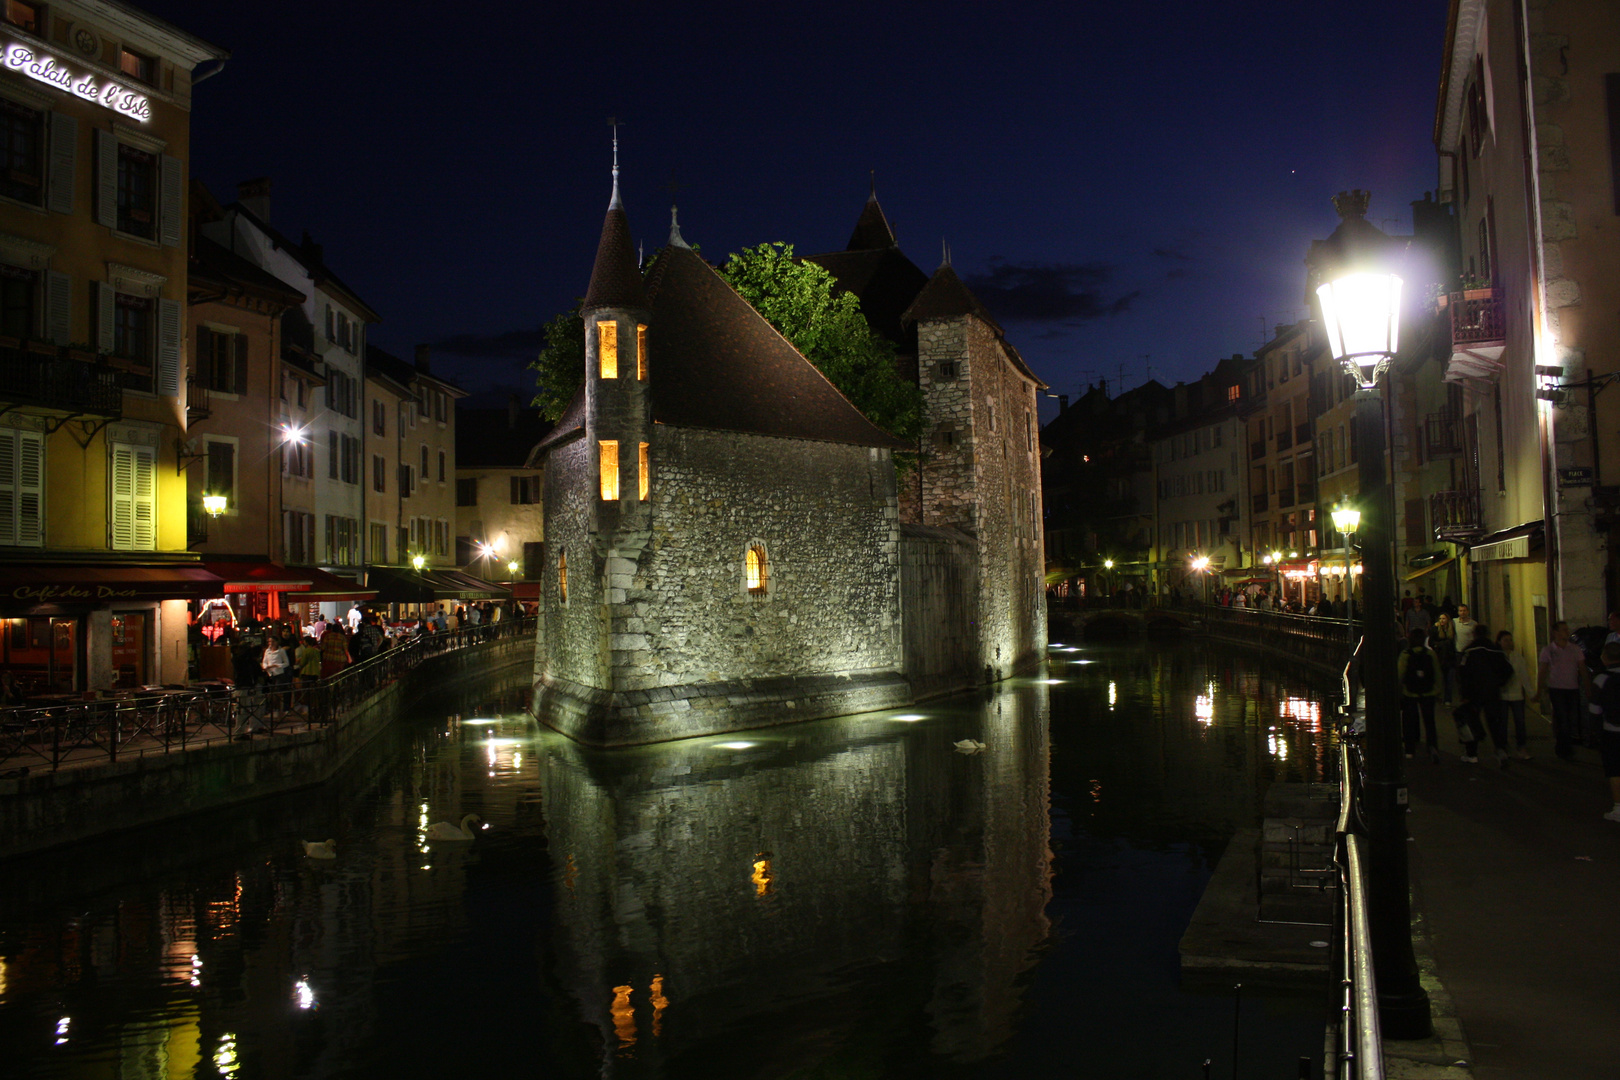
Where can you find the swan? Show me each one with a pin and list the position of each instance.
(325, 849)
(443, 830)
(969, 746)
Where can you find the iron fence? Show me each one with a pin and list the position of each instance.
(172, 719)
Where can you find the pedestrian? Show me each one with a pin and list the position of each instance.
(1418, 670)
(319, 629)
(1466, 628)
(277, 667)
(1606, 707)
(1563, 675)
(307, 661)
(1417, 618)
(355, 613)
(1483, 671)
(1614, 627)
(1443, 640)
(1515, 690)
(334, 651)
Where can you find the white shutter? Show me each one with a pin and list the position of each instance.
(145, 498)
(59, 306)
(30, 489)
(64, 158)
(123, 497)
(168, 353)
(8, 486)
(105, 304)
(171, 183)
(106, 179)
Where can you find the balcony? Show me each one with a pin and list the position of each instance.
(1478, 334)
(1260, 503)
(1285, 439)
(1443, 434)
(1302, 434)
(59, 381)
(1456, 516)
(196, 524)
(1257, 450)
(197, 405)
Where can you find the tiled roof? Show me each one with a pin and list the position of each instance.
(872, 231)
(569, 425)
(216, 265)
(716, 363)
(616, 277)
(884, 280)
(945, 297)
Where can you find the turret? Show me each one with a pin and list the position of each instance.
(617, 401)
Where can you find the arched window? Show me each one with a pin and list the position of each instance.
(756, 573)
(562, 575)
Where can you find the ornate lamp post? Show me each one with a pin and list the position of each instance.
(418, 562)
(1360, 296)
(1346, 519)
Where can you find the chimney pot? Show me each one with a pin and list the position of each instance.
(1063, 404)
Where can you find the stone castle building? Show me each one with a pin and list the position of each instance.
(724, 543)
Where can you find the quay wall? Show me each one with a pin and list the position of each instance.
(49, 809)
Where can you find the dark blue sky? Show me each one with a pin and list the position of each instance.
(1124, 184)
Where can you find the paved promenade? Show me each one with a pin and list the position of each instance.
(1517, 877)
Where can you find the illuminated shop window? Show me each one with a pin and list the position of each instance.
(646, 472)
(608, 464)
(562, 575)
(607, 349)
(755, 573)
(641, 351)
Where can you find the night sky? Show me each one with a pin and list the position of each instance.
(1126, 186)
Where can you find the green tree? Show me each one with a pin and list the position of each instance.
(801, 301)
(561, 363)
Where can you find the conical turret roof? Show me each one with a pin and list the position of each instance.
(872, 231)
(616, 277)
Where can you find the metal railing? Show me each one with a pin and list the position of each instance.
(171, 719)
(1442, 434)
(197, 399)
(1361, 1043)
(58, 381)
(1456, 515)
(1477, 317)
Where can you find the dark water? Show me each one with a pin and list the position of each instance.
(849, 898)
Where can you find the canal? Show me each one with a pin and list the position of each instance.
(846, 898)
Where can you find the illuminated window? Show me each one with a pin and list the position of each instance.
(646, 473)
(607, 349)
(608, 464)
(137, 66)
(562, 575)
(755, 572)
(641, 351)
(22, 15)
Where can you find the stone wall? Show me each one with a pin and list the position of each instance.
(668, 641)
(939, 578)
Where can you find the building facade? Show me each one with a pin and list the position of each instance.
(500, 515)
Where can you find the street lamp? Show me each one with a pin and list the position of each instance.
(214, 505)
(1200, 566)
(1360, 296)
(418, 562)
(1346, 519)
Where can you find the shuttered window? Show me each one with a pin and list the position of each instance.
(22, 488)
(134, 498)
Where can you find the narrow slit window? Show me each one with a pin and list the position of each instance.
(607, 348)
(562, 575)
(608, 462)
(641, 351)
(646, 474)
(754, 570)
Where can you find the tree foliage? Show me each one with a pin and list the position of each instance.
(801, 301)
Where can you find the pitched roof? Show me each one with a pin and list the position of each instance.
(569, 426)
(885, 282)
(216, 266)
(311, 256)
(872, 231)
(946, 297)
(616, 276)
(716, 363)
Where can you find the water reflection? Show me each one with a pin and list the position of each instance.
(849, 896)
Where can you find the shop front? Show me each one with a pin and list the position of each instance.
(69, 628)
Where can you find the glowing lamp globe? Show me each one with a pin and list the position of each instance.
(214, 505)
(418, 561)
(1346, 520)
(512, 568)
(1201, 563)
(1108, 564)
(1361, 315)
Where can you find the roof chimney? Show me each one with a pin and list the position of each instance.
(422, 354)
(254, 195)
(1063, 404)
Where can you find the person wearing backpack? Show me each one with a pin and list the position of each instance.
(1485, 670)
(1418, 670)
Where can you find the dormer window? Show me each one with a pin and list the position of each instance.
(608, 465)
(641, 351)
(607, 350)
(137, 66)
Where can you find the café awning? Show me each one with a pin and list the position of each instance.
(1431, 568)
(405, 585)
(252, 577)
(27, 585)
(324, 587)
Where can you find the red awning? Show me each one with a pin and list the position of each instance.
(250, 577)
(324, 586)
(523, 590)
(77, 584)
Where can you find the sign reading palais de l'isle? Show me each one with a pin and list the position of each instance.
(45, 69)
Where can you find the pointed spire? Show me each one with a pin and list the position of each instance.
(616, 275)
(872, 230)
(944, 252)
(675, 237)
(613, 122)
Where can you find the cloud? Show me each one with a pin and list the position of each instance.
(1172, 253)
(1048, 292)
(524, 343)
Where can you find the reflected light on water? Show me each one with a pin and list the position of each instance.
(736, 745)
(196, 970)
(225, 1059)
(1304, 710)
(62, 1026)
(762, 876)
(1051, 682)
(659, 1001)
(304, 994)
(908, 718)
(624, 1017)
(1113, 694)
(481, 720)
(1204, 709)
(1277, 746)
(2, 979)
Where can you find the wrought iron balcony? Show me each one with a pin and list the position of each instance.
(1456, 516)
(1476, 317)
(58, 381)
(196, 524)
(197, 406)
(1443, 434)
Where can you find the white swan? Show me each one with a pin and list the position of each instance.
(443, 830)
(969, 746)
(325, 849)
